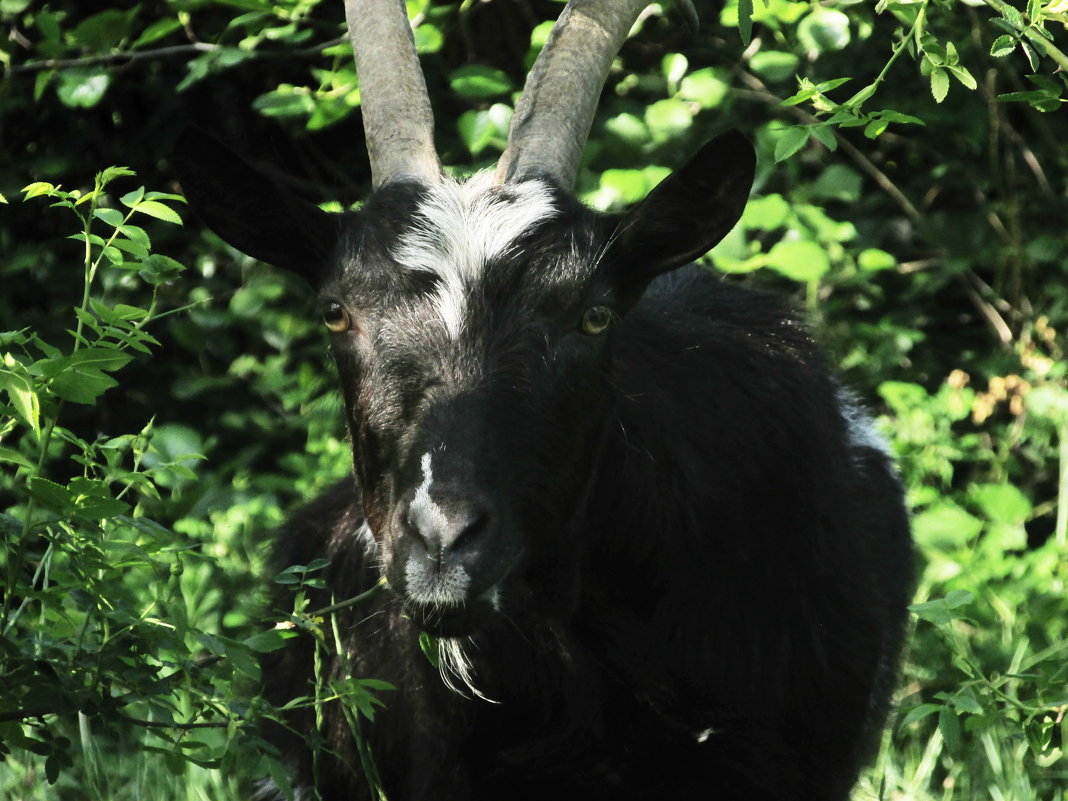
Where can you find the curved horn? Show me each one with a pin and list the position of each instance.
(397, 119)
(555, 111)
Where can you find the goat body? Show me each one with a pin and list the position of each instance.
(659, 547)
(723, 615)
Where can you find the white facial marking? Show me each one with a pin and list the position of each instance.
(422, 503)
(446, 587)
(464, 225)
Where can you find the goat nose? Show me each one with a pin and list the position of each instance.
(448, 527)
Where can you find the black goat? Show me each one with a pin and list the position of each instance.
(664, 552)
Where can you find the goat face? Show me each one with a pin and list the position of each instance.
(472, 343)
(472, 324)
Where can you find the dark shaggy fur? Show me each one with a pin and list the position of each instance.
(709, 601)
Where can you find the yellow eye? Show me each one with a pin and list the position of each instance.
(337, 318)
(596, 319)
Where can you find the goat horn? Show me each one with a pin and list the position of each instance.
(555, 111)
(397, 119)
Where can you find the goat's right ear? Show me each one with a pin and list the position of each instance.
(688, 212)
(251, 211)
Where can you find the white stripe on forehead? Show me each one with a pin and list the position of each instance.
(461, 226)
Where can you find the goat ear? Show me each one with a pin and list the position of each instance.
(688, 212)
(251, 211)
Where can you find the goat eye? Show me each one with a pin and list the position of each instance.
(596, 319)
(337, 318)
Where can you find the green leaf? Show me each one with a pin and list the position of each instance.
(20, 391)
(158, 269)
(945, 527)
(112, 217)
(479, 82)
(285, 101)
(102, 31)
(38, 188)
(54, 496)
(942, 610)
(766, 213)
(156, 31)
(668, 119)
(949, 725)
(673, 66)
(629, 128)
(153, 208)
(825, 30)
(428, 39)
(939, 85)
(82, 376)
(265, 642)
(476, 131)
(873, 259)
(745, 20)
(82, 87)
(1003, 46)
(919, 713)
(774, 65)
(838, 182)
(962, 75)
(791, 140)
(1002, 503)
(800, 260)
(703, 87)
(14, 457)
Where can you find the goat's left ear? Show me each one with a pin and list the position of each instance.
(250, 210)
(688, 212)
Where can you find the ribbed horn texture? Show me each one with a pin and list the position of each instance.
(397, 118)
(555, 111)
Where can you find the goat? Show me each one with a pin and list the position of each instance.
(662, 548)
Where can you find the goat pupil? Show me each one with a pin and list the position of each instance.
(596, 319)
(336, 318)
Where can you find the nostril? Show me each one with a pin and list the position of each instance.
(469, 529)
(446, 526)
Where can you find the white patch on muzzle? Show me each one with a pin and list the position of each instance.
(446, 587)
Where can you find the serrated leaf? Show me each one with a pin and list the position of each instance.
(14, 457)
(825, 136)
(791, 140)
(112, 217)
(745, 20)
(153, 208)
(53, 495)
(20, 391)
(1002, 46)
(939, 85)
(38, 188)
(962, 75)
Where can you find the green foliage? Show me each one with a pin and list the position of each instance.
(911, 193)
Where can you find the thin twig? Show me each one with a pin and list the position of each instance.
(162, 52)
(363, 596)
(759, 91)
